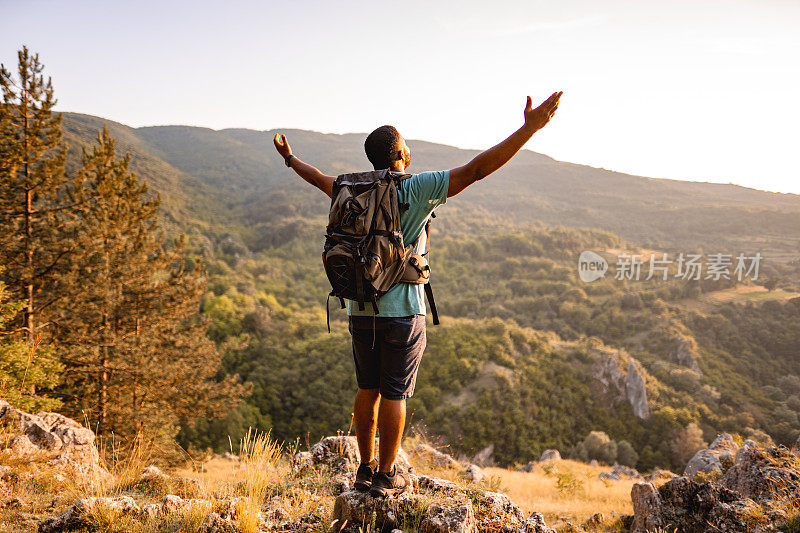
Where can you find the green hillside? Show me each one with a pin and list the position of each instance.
(523, 342)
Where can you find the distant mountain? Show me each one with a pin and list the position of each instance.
(228, 176)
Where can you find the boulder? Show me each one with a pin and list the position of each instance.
(764, 474)
(647, 508)
(79, 515)
(715, 458)
(59, 439)
(434, 457)
(748, 498)
(536, 524)
(474, 474)
(550, 455)
(455, 509)
(610, 476)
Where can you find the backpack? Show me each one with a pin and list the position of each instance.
(365, 254)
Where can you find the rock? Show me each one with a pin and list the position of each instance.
(647, 508)
(450, 519)
(433, 484)
(715, 458)
(660, 475)
(484, 457)
(340, 455)
(302, 461)
(749, 497)
(621, 384)
(214, 523)
(594, 521)
(434, 457)
(764, 474)
(229, 457)
(61, 439)
(593, 463)
(796, 446)
(550, 455)
(611, 476)
(528, 467)
(22, 445)
(225, 518)
(685, 353)
(357, 508)
(452, 511)
(474, 474)
(626, 471)
(536, 524)
(79, 515)
(497, 511)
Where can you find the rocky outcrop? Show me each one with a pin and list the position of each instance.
(340, 455)
(685, 353)
(627, 384)
(764, 474)
(749, 497)
(434, 457)
(550, 455)
(53, 439)
(484, 457)
(715, 459)
(455, 510)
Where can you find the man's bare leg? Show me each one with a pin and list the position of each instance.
(365, 418)
(391, 420)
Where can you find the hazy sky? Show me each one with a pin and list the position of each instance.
(689, 90)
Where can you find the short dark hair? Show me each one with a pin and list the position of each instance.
(382, 146)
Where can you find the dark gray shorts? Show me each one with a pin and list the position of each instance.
(392, 364)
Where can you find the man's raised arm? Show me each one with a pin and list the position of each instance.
(487, 162)
(309, 173)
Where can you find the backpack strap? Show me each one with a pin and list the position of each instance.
(428, 288)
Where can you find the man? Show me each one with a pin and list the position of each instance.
(387, 357)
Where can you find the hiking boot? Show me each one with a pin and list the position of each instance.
(384, 485)
(364, 475)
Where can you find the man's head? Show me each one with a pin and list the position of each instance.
(386, 148)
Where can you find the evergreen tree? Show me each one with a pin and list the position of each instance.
(23, 371)
(139, 359)
(36, 204)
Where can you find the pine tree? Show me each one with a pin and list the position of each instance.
(36, 203)
(138, 358)
(23, 371)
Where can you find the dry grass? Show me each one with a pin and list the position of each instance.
(565, 490)
(259, 456)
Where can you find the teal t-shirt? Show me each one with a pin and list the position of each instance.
(423, 192)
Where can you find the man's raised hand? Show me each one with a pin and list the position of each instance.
(282, 145)
(537, 118)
